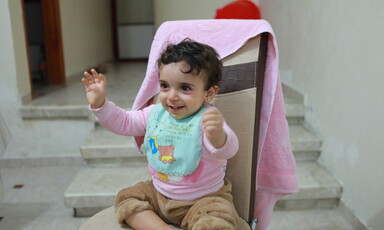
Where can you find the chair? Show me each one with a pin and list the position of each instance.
(239, 100)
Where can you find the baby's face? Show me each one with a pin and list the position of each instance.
(181, 94)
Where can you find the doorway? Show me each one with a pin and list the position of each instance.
(133, 29)
(44, 44)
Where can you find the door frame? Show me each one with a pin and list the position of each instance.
(54, 55)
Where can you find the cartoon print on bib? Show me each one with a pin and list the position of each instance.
(166, 154)
(155, 128)
(173, 146)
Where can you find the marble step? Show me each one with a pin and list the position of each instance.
(316, 219)
(294, 112)
(317, 189)
(55, 112)
(60, 105)
(94, 189)
(294, 105)
(305, 145)
(103, 148)
(106, 149)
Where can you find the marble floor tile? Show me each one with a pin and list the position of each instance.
(35, 176)
(39, 203)
(313, 219)
(17, 223)
(58, 223)
(123, 83)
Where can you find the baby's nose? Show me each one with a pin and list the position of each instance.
(173, 95)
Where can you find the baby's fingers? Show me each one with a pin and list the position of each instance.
(85, 82)
(212, 116)
(210, 113)
(212, 110)
(212, 124)
(94, 73)
(102, 79)
(87, 85)
(88, 77)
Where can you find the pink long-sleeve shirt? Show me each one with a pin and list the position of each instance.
(208, 177)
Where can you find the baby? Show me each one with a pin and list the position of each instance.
(187, 144)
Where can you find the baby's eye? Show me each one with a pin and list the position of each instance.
(185, 88)
(164, 86)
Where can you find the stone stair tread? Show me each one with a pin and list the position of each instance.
(58, 111)
(302, 139)
(103, 183)
(315, 183)
(294, 110)
(79, 110)
(102, 143)
(315, 219)
(97, 187)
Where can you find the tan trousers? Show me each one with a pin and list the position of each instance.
(213, 211)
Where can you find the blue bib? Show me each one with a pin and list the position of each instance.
(173, 146)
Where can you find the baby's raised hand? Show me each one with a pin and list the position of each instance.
(95, 88)
(213, 122)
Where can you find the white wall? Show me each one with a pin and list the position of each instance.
(333, 52)
(87, 34)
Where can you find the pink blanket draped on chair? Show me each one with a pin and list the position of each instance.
(276, 171)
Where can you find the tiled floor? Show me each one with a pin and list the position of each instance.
(38, 204)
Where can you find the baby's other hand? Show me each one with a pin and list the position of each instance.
(213, 122)
(95, 88)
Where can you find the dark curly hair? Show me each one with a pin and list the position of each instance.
(198, 56)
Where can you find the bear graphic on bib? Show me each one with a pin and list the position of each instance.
(166, 154)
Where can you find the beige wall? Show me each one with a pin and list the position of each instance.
(31, 138)
(333, 52)
(168, 10)
(8, 87)
(87, 39)
(87, 34)
(134, 11)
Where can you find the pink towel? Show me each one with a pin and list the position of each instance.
(276, 171)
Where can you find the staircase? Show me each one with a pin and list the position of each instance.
(317, 205)
(111, 162)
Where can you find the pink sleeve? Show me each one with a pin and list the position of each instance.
(230, 147)
(119, 121)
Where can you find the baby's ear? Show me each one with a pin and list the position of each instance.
(211, 93)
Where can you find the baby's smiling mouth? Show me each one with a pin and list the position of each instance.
(174, 108)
